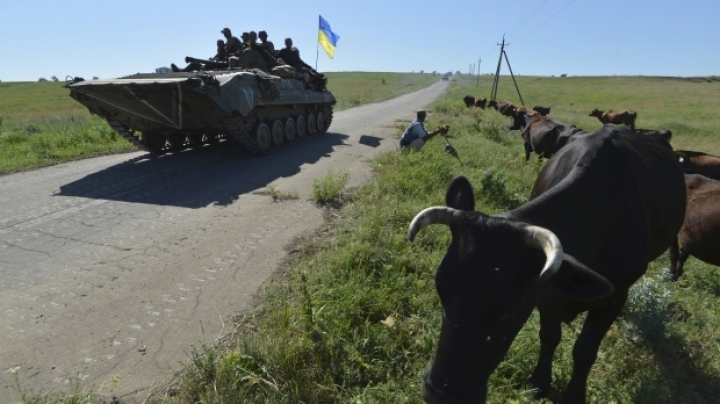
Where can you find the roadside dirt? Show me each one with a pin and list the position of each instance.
(115, 266)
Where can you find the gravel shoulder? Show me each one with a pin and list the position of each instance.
(115, 266)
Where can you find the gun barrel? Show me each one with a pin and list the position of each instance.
(207, 63)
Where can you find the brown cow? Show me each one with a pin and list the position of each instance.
(700, 232)
(546, 136)
(616, 117)
(699, 163)
(506, 108)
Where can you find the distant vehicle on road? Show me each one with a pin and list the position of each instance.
(447, 76)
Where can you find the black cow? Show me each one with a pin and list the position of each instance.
(544, 111)
(469, 101)
(601, 209)
(663, 134)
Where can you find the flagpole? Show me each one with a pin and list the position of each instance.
(317, 45)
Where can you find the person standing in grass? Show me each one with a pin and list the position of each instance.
(415, 136)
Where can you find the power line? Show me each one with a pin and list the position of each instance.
(529, 16)
(543, 23)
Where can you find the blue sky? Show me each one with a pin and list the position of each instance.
(112, 38)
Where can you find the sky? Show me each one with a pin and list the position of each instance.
(547, 37)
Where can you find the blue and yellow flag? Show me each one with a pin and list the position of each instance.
(326, 38)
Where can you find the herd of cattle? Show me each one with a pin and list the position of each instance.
(605, 204)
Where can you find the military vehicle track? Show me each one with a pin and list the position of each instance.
(247, 133)
(238, 130)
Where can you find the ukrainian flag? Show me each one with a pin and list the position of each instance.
(326, 38)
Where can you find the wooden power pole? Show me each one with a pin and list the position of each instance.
(493, 92)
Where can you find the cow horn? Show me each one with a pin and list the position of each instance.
(543, 238)
(433, 215)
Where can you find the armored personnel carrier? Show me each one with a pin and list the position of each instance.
(159, 112)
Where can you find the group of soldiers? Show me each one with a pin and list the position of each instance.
(285, 61)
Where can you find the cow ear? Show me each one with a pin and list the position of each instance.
(460, 194)
(580, 282)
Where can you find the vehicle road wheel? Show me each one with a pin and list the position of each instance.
(290, 130)
(176, 140)
(211, 138)
(300, 128)
(195, 140)
(262, 137)
(321, 122)
(155, 142)
(278, 133)
(311, 124)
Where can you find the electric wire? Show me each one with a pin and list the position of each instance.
(543, 23)
(529, 16)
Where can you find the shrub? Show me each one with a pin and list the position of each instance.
(328, 187)
(493, 190)
(42, 80)
(647, 310)
(54, 78)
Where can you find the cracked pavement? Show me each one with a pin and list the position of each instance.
(115, 266)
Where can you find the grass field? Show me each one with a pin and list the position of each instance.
(41, 125)
(356, 317)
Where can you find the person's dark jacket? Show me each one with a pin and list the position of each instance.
(292, 57)
(233, 45)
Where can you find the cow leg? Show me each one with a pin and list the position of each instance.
(673, 254)
(683, 256)
(597, 323)
(678, 256)
(550, 334)
(528, 150)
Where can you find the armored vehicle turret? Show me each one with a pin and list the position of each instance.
(168, 111)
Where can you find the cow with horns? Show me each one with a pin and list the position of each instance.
(601, 209)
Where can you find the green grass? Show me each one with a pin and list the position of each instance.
(355, 319)
(352, 89)
(328, 187)
(41, 125)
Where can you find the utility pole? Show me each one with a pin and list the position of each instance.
(478, 73)
(493, 92)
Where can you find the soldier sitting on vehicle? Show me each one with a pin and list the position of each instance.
(220, 56)
(232, 45)
(245, 39)
(269, 58)
(267, 45)
(291, 56)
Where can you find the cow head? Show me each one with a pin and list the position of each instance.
(520, 118)
(487, 283)
(596, 113)
(492, 104)
(469, 101)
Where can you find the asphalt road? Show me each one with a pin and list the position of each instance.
(114, 266)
